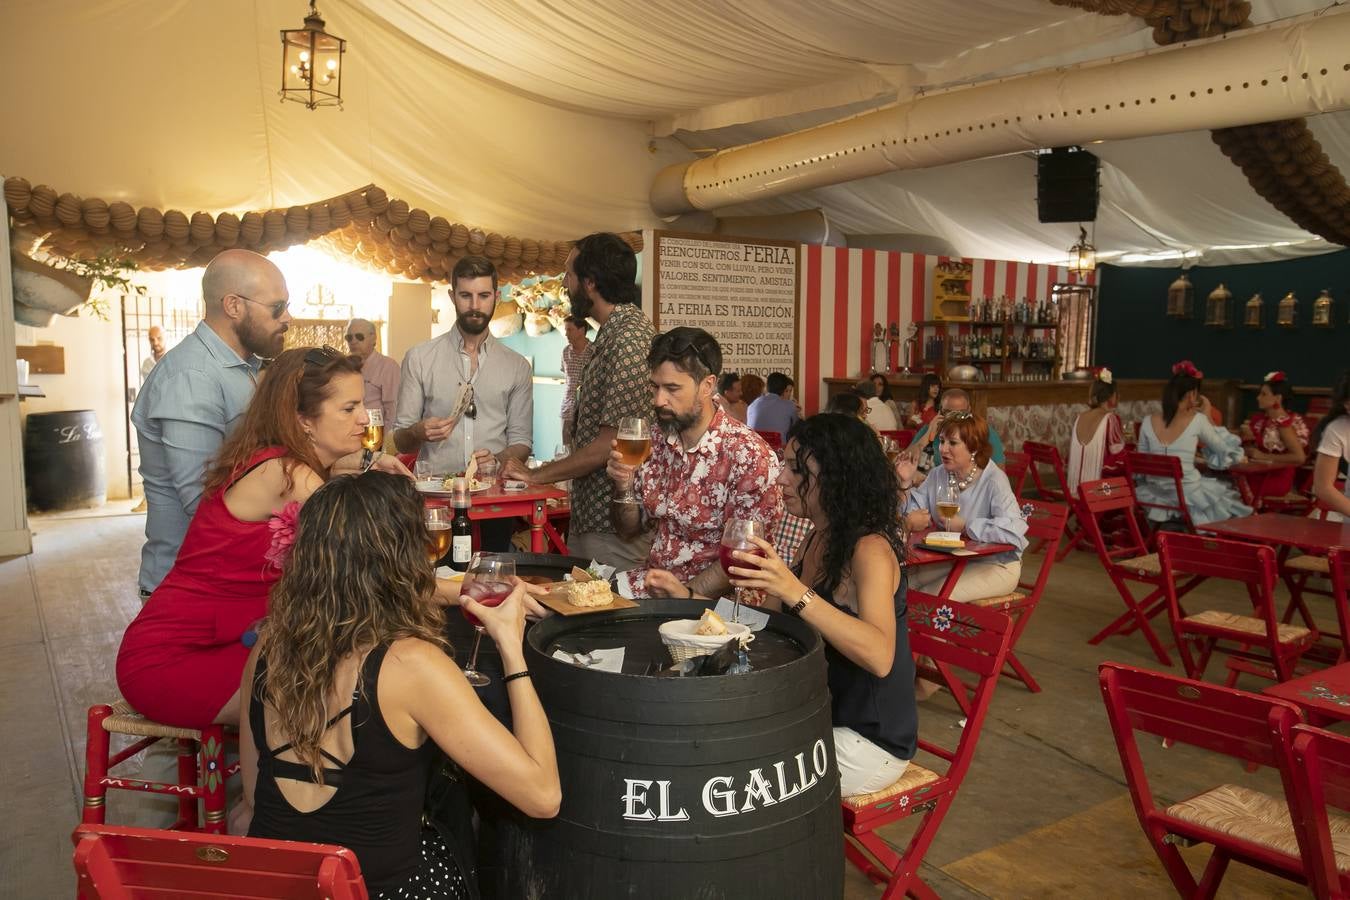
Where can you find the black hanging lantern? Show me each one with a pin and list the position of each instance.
(1180, 296)
(311, 64)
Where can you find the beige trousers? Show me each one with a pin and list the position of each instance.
(979, 580)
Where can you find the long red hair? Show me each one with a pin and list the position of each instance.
(295, 384)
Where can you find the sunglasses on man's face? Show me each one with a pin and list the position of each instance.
(278, 309)
(354, 336)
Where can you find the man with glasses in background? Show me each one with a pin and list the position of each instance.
(194, 394)
(380, 373)
(924, 450)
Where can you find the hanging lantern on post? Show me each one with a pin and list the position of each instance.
(1286, 315)
(1219, 308)
(1254, 313)
(1322, 310)
(1179, 297)
(1082, 255)
(311, 63)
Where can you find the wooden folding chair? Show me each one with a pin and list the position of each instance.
(955, 637)
(1263, 646)
(1297, 571)
(1240, 823)
(1321, 778)
(1016, 466)
(117, 863)
(1045, 521)
(1161, 468)
(1126, 559)
(1042, 456)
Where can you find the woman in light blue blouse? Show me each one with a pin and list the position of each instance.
(988, 512)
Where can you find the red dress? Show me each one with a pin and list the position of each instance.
(182, 657)
(1267, 432)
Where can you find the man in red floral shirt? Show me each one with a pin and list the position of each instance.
(706, 468)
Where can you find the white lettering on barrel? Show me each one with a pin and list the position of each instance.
(719, 802)
(802, 778)
(757, 789)
(636, 793)
(783, 792)
(665, 814)
(820, 758)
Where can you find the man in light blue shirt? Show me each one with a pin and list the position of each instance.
(193, 396)
(771, 411)
(953, 400)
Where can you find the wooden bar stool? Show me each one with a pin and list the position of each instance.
(204, 780)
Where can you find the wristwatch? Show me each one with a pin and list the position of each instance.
(797, 608)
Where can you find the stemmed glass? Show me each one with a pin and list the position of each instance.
(489, 582)
(736, 537)
(635, 445)
(948, 500)
(373, 439)
(437, 520)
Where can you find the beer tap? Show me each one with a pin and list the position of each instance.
(878, 337)
(892, 335)
(907, 348)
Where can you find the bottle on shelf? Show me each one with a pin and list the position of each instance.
(1053, 317)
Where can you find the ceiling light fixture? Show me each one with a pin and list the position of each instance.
(311, 63)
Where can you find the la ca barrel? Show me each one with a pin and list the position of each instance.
(719, 786)
(63, 460)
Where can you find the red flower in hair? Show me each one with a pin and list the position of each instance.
(1277, 375)
(1186, 367)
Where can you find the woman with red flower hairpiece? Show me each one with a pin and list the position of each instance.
(1277, 434)
(1181, 429)
(1097, 440)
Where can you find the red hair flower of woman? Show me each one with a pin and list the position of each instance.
(1186, 367)
(1275, 376)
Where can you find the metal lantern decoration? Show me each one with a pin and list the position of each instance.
(1082, 255)
(1254, 313)
(1322, 309)
(1219, 308)
(311, 64)
(1179, 297)
(1287, 312)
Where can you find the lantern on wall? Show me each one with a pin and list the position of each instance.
(1322, 309)
(1286, 315)
(1179, 297)
(1254, 313)
(311, 63)
(1219, 308)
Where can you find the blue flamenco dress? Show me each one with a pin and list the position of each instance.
(1208, 499)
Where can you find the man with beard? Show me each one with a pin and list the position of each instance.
(379, 372)
(601, 283)
(499, 421)
(706, 469)
(194, 394)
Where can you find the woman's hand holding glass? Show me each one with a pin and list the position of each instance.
(505, 622)
(767, 573)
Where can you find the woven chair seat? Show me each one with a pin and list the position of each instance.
(915, 776)
(125, 720)
(1001, 600)
(1286, 634)
(1316, 565)
(1259, 818)
(1142, 565)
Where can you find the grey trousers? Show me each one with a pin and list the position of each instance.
(609, 549)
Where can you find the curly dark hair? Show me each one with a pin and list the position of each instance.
(859, 492)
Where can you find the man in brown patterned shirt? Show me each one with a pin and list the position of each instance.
(601, 282)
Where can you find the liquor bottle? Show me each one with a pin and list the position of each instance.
(461, 529)
(1054, 312)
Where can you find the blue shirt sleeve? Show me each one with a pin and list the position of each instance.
(520, 408)
(410, 397)
(190, 410)
(994, 515)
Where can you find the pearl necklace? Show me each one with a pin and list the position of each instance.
(963, 483)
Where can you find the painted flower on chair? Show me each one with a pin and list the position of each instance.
(942, 619)
(211, 750)
(282, 525)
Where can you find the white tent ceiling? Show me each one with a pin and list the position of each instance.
(550, 120)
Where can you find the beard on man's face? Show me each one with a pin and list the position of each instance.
(473, 322)
(672, 423)
(261, 338)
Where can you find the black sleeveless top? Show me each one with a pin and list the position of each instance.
(883, 710)
(376, 810)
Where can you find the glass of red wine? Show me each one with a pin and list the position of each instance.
(489, 582)
(736, 538)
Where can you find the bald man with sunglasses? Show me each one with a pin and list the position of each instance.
(379, 372)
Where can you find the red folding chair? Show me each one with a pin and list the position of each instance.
(1321, 778)
(1164, 468)
(408, 459)
(1297, 571)
(1126, 559)
(1236, 820)
(1047, 455)
(1015, 466)
(772, 438)
(124, 863)
(955, 637)
(1263, 646)
(1045, 521)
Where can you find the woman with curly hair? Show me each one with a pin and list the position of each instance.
(848, 584)
(180, 659)
(350, 692)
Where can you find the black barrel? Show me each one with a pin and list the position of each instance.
(701, 787)
(63, 460)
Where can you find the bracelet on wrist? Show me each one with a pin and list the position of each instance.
(797, 608)
(523, 673)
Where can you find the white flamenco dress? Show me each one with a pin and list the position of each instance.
(1208, 499)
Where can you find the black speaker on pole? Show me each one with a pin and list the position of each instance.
(1066, 185)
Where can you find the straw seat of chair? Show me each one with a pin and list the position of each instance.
(1286, 634)
(1144, 565)
(1003, 600)
(125, 720)
(1317, 565)
(1257, 817)
(915, 776)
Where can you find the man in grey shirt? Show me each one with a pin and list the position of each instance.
(500, 419)
(193, 396)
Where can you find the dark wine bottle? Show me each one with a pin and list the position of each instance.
(461, 534)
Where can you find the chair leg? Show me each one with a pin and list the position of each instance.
(1214, 872)
(96, 750)
(1019, 671)
(907, 872)
(212, 779)
(187, 774)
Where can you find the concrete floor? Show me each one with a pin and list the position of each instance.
(1043, 813)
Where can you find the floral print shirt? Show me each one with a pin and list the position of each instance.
(1267, 431)
(691, 494)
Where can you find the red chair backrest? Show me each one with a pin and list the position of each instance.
(1208, 557)
(1321, 778)
(1168, 468)
(1107, 495)
(772, 438)
(1047, 455)
(1015, 466)
(119, 862)
(408, 459)
(1045, 522)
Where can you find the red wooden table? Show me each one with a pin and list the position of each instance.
(531, 504)
(1315, 536)
(1324, 695)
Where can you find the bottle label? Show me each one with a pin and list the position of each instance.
(461, 549)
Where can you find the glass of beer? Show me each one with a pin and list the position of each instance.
(635, 445)
(736, 535)
(374, 436)
(489, 582)
(948, 500)
(437, 520)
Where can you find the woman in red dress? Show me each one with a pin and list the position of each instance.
(182, 657)
(926, 400)
(1277, 434)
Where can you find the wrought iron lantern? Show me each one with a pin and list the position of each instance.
(1082, 255)
(1219, 308)
(311, 64)
(1322, 310)
(1180, 296)
(1286, 315)
(1254, 313)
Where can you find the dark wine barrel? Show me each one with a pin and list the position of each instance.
(701, 787)
(63, 460)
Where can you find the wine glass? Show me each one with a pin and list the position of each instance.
(489, 582)
(373, 439)
(948, 500)
(736, 537)
(635, 445)
(437, 520)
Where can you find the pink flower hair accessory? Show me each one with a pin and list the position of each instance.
(283, 526)
(1187, 368)
(1276, 376)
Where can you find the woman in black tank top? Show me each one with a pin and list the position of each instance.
(350, 696)
(848, 583)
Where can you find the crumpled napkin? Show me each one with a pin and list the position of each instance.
(605, 660)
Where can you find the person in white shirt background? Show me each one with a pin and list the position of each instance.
(1332, 439)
